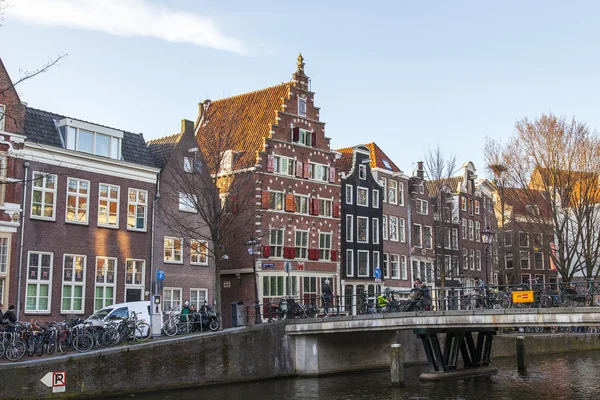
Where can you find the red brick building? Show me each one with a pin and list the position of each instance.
(279, 139)
(12, 116)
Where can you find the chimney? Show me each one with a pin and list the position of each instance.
(187, 126)
(420, 170)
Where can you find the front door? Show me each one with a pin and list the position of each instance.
(133, 295)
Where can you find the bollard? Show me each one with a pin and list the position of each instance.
(521, 353)
(397, 365)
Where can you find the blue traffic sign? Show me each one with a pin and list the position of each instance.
(377, 273)
(160, 275)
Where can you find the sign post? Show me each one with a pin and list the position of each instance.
(287, 267)
(377, 274)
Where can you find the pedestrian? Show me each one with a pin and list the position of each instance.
(426, 302)
(185, 311)
(326, 294)
(10, 315)
(1, 312)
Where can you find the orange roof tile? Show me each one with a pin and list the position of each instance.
(241, 123)
(344, 163)
(380, 160)
(452, 182)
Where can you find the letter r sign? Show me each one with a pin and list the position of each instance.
(59, 378)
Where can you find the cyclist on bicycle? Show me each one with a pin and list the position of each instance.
(10, 315)
(326, 293)
(481, 289)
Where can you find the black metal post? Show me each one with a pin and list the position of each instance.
(487, 246)
(257, 317)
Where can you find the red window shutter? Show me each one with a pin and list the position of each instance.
(314, 138)
(234, 203)
(332, 174)
(333, 255)
(336, 209)
(290, 204)
(270, 163)
(266, 200)
(266, 251)
(286, 252)
(299, 169)
(292, 252)
(306, 170)
(311, 206)
(296, 134)
(311, 254)
(316, 206)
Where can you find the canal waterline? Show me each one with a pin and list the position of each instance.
(568, 375)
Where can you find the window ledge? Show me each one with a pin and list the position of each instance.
(199, 264)
(137, 230)
(108, 226)
(53, 219)
(173, 262)
(77, 223)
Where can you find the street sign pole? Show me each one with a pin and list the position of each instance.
(287, 267)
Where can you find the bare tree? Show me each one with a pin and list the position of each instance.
(552, 162)
(439, 165)
(218, 197)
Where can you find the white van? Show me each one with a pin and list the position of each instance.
(122, 311)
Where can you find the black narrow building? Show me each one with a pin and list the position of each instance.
(361, 230)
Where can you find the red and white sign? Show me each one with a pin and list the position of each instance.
(56, 380)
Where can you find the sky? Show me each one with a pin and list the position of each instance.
(409, 75)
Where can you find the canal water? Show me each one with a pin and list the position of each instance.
(560, 376)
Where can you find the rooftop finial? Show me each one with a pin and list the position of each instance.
(300, 63)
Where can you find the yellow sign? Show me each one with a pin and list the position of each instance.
(524, 296)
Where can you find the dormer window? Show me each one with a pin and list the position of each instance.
(302, 106)
(362, 171)
(90, 138)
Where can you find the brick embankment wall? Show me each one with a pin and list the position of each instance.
(231, 356)
(536, 344)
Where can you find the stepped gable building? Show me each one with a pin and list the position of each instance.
(362, 238)
(421, 234)
(276, 135)
(12, 117)
(87, 227)
(472, 208)
(181, 248)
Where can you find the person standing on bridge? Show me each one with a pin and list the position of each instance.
(326, 293)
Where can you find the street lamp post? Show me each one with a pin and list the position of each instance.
(487, 236)
(252, 245)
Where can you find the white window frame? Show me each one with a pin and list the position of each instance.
(422, 207)
(403, 267)
(278, 167)
(137, 204)
(477, 231)
(108, 200)
(383, 184)
(197, 253)
(324, 170)
(402, 230)
(38, 282)
(362, 171)
(305, 137)
(137, 286)
(276, 245)
(375, 230)
(78, 196)
(349, 262)
(303, 247)
(302, 204)
(534, 261)
(73, 284)
(471, 230)
(393, 188)
(395, 266)
(477, 207)
(384, 226)
(188, 165)
(478, 258)
(302, 113)
(394, 222)
(170, 300)
(375, 198)
(115, 150)
(44, 190)
(104, 283)
(197, 302)
(366, 192)
(2, 118)
(349, 228)
(401, 193)
(420, 235)
(358, 253)
(464, 229)
(376, 261)
(430, 229)
(173, 249)
(324, 250)
(325, 207)
(366, 219)
(5, 246)
(187, 203)
(349, 190)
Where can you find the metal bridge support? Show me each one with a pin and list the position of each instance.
(444, 364)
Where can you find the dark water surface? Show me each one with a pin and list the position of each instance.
(561, 376)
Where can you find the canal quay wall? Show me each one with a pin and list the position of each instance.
(236, 355)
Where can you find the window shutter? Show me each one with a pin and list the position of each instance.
(306, 170)
(292, 252)
(266, 200)
(336, 209)
(311, 206)
(316, 206)
(296, 134)
(332, 174)
(299, 169)
(311, 254)
(270, 163)
(286, 252)
(314, 138)
(266, 251)
(333, 255)
(290, 204)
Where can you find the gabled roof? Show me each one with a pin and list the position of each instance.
(453, 183)
(240, 123)
(380, 160)
(520, 199)
(40, 128)
(161, 148)
(344, 163)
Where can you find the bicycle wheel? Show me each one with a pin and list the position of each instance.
(545, 300)
(133, 335)
(50, 345)
(16, 350)
(83, 342)
(145, 329)
(553, 329)
(214, 325)
(2, 349)
(311, 311)
(596, 298)
(170, 329)
(538, 329)
(64, 343)
(30, 346)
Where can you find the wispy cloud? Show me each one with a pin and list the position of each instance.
(126, 18)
